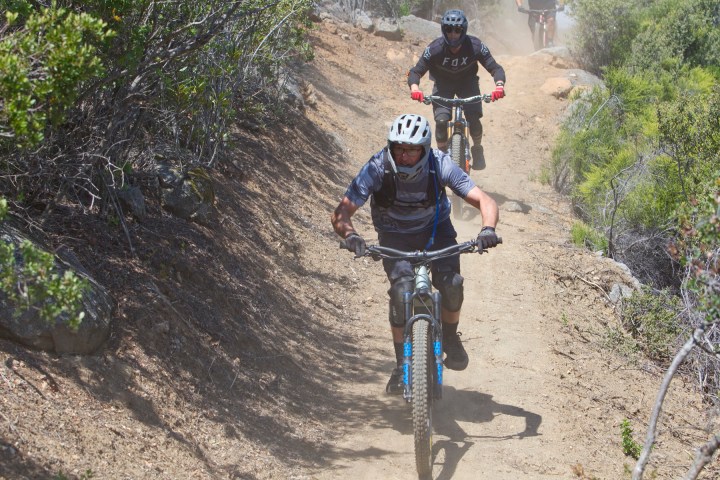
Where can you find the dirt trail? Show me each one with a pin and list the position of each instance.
(541, 398)
(253, 348)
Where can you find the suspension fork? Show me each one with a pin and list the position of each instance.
(422, 291)
(459, 125)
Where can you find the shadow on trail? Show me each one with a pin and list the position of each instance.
(475, 407)
(469, 213)
(455, 407)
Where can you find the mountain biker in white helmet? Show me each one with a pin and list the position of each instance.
(452, 60)
(405, 182)
(543, 5)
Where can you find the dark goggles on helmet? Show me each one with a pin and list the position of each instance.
(451, 29)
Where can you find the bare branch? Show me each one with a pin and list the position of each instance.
(703, 457)
(695, 339)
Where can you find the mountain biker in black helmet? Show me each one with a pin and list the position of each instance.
(406, 183)
(453, 64)
(550, 17)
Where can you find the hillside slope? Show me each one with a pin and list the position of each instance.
(253, 348)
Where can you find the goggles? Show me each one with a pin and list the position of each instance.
(451, 29)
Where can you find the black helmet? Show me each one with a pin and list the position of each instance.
(451, 20)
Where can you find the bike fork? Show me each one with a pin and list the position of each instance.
(435, 326)
(437, 346)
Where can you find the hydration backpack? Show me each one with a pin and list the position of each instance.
(386, 197)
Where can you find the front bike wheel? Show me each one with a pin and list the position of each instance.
(422, 396)
(457, 148)
(540, 36)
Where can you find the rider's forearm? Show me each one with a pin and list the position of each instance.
(490, 214)
(342, 225)
(487, 206)
(341, 218)
(344, 229)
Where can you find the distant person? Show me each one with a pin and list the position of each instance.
(410, 211)
(543, 5)
(452, 60)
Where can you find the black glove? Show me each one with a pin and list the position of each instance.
(355, 243)
(560, 8)
(521, 9)
(487, 238)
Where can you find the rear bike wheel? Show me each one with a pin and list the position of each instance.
(457, 148)
(422, 396)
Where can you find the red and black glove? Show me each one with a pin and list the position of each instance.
(418, 95)
(499, 91)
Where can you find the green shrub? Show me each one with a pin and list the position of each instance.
(45, 65)
(34, 282)
(700, 250)
(604, 30)
(630, 446)
(652, 319)
(585, 236)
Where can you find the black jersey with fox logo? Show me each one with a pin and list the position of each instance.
(445, 66)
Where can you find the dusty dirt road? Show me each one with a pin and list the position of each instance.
(253, 348)
(543, 396)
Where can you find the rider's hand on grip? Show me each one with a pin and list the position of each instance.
(355, 243)
(560, 8)
(418, 95)
(499, 91)
(487, 238)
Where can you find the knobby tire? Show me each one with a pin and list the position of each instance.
(457, 148)
(422, 397)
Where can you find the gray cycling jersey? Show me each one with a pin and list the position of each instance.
(402, 218)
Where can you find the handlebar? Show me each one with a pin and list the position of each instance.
(545, 11)
(378, 252)
(487, 98)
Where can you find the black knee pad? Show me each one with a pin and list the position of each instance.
(450, 285)
(396, 293)
(441, 128)
(475, 126)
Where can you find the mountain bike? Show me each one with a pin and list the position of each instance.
(422, 342)
(459, 145)
(540, 30)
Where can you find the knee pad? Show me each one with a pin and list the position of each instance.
(397, 307)
(441, 128)
(475, 127)
(450, 285)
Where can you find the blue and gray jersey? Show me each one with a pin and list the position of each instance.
(411, 213)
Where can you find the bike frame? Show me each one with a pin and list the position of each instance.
(459, 145)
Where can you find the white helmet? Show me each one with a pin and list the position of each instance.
(410, 129)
